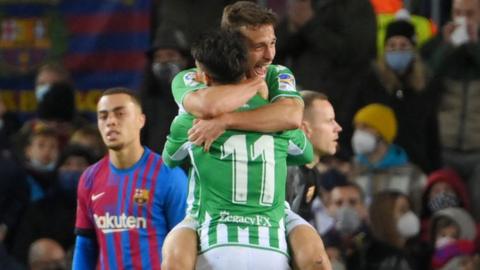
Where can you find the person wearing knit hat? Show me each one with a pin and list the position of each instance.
(401, 27)
(400, 41)
(168, 55)
(379, 117)
(378, 163)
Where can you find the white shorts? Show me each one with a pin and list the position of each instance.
(241, 258)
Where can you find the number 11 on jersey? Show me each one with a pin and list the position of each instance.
(262, 148)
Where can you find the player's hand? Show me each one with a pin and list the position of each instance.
(258, 83)
(206, 131)
(263, 89)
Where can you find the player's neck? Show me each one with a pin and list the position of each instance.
(127, 156)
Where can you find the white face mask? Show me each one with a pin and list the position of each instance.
(443, 241)
(363, 142)
(408, 225)
(347, 220)
(41, 90)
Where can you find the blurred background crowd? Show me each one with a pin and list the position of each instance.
(403, 189)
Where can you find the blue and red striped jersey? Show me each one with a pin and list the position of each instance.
(130, 211)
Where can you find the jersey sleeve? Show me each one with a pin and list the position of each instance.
(176, 197)
(83, 224)
(183, 83)
(281, 83)
(176, 148)
(300, 150)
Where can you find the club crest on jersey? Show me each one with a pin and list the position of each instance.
(190, 79)
(141, 196)
(286, 82)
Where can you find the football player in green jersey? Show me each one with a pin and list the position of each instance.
(241, 180)
(215, 107)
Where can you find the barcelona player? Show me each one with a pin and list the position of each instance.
(129, 200)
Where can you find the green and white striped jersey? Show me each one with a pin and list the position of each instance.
(237, 189)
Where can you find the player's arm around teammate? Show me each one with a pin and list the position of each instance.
(284, 112)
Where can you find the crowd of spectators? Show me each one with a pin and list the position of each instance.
(401, 192)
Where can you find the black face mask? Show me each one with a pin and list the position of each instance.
(443, 200)
(164, 72)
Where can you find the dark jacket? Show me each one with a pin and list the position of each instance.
(14, 193)
(457, 80)
(415, 108)
(332, 53)
(52, 217)
(382, 256)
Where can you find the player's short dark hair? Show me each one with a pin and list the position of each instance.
(245, 13)
(223, 55)
(123, 90)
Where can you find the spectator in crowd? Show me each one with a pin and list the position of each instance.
(453, 234)
(380, 164)
(168, 55)
(392, 224)
(455, 59)
(56, 110)
(326, 182)
(41, 154)
(424, 28)
(400, 80)
(14, 197)
(444, 189)
(322, 130)
(47, 75)
(348, 237)
(46, 254)
(332, 51)
(89, 137)
(59, 205)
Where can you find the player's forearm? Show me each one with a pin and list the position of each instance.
(85, 253)
(215, 100)
(284, 114)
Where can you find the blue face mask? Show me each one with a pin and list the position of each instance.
(42, 167)
(41, 90)
(399, 61)
(68, 180)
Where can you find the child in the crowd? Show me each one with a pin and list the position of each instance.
(41, 154)
(453, 233)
